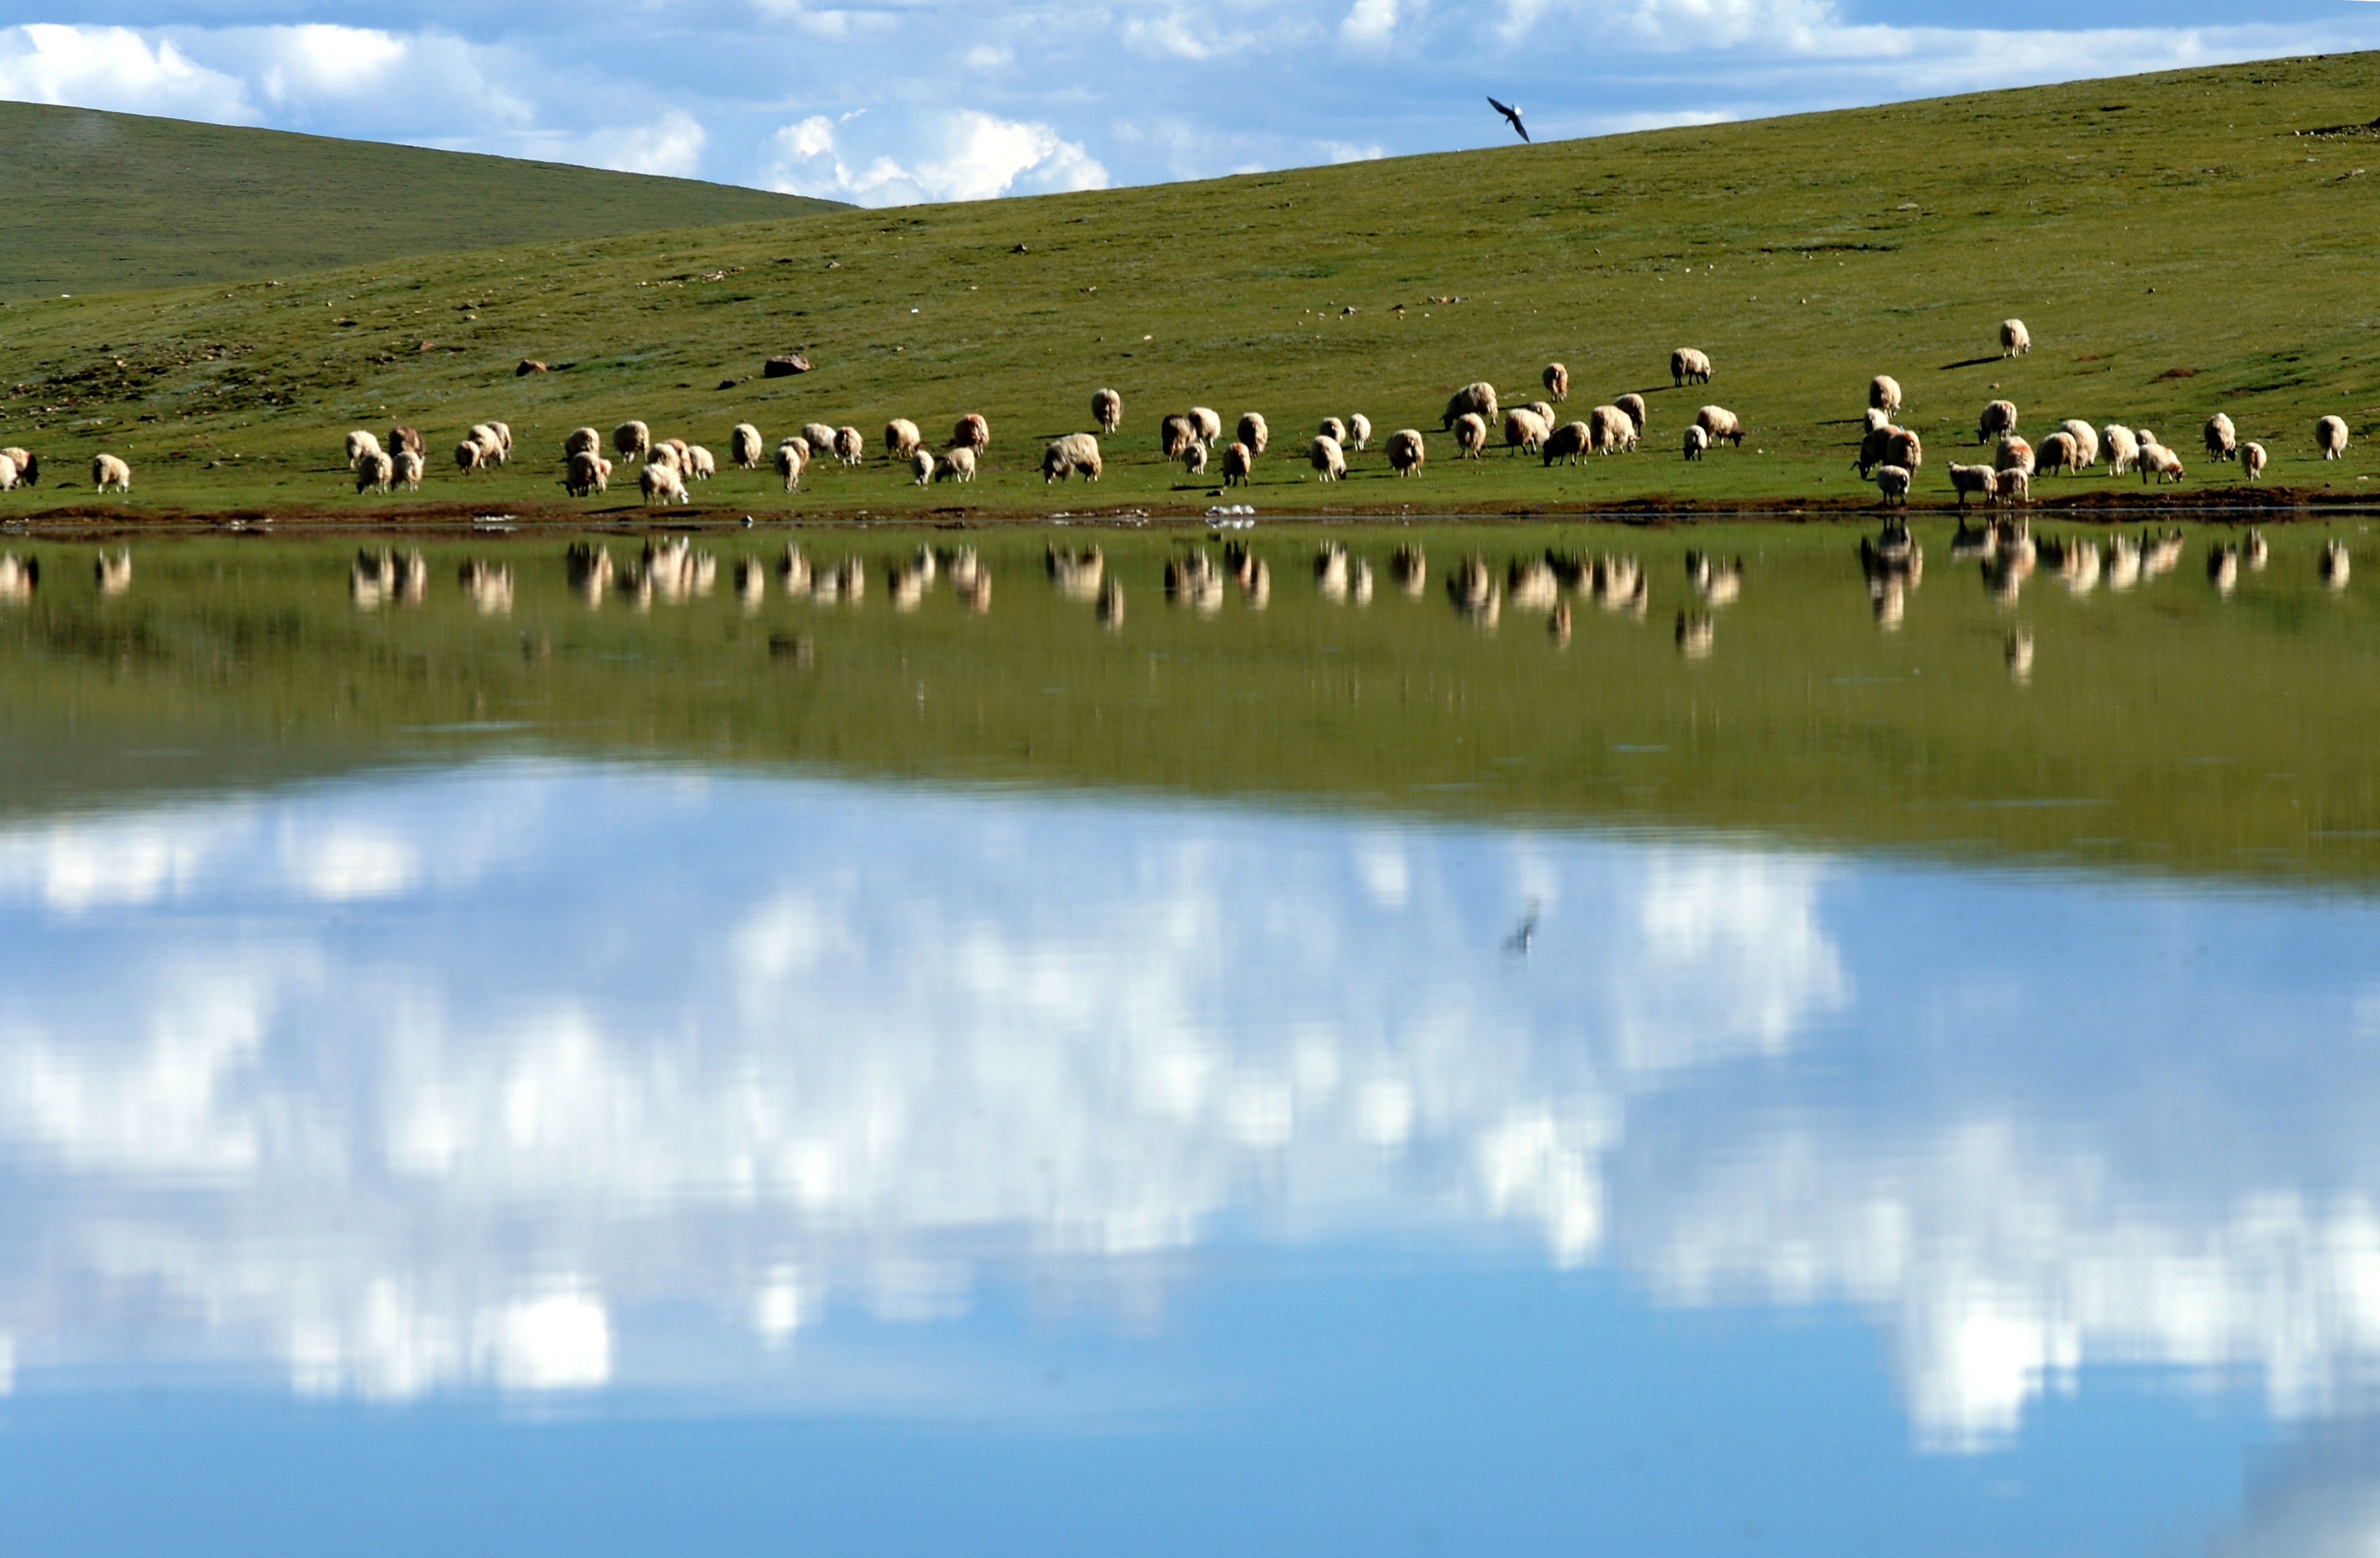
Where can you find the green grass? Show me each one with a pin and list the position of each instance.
(107, 203)
(2164, 730)
(2175, 245)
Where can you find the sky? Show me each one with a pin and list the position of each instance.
(897, 101)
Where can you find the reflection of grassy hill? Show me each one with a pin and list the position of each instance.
(2164, 729)
(105, 203)
(2175, 248)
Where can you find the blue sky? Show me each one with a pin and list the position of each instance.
(889, 101)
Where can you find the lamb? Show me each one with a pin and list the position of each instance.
(1254, 433)
(1106, 410)
(2015, 339)
(632, 441)
(2222, 443)
(1524, 430)
(1998, 417)
(581, 439)
(1359, 430)
(971, 433)
(108, 471)
(1237, 463)
(700, 465)
(2086, 441)
(1406, 452)
(1471, 435)
(1472, 399)
(1697, 440)
(902, 439)
(957, 466)
(590, 474)
(1893, 482)
(2014, 454)
(2123, 449)
(744, 446)
(1568, 443)
(1884, 393)
(374, 471)
(1608, 428)
(1688, 366)
(1176, 435)
(660, 484)
(1634, 405)
(1557, 381)
(1075, 452)
(2252, 460)
(2330, 437)
(470, 454)
(1333, 429)
(403, 439)
(1328, 458)
(1718, 422)
(1193, 459)
(361, 443)
(791, 456)
(921, 465)
(849, 446)
(2057, 453)
(820, 438)
(1973, 481)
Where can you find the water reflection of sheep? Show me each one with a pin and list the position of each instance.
(1893, 564)
(2334, 564)
(2020, 655)
(115, 573)
(1696, 634)
(377, 578)
(1078, 575)
(1250, 573)
(1193, 580)
(1340, 578)
(1472, 588)
(670, 569)
(489, 586)
(1717, 580)
(590, 572)
(18, 577)
(1410, 568)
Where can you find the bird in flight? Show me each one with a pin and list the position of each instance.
(1513, 114)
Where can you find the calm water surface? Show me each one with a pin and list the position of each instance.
(591, 1079)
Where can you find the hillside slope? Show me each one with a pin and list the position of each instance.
(110, 202)
(2175, 243)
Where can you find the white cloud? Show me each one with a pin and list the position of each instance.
(673, 145)
(319, 60)
(1369, 22)
(116, 67)
(961, 155)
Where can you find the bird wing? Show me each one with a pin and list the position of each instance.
(1520, 127)
(1506, 109)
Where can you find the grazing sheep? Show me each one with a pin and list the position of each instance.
(2123, 448)
(1688, 366)
(1697, 440)
(2014, 454)
(1884, 393)
(590, 473)
(1176, 434)
(1472, 399)
(2016, 485)
(1902, 446)
(1193, 459)
(374, 471)
(1406, 452)
(957, 466)
(662, 484)
(1634, 405)
(632, 441)
(1568, 442)
(1608, 428)
(469, 455)
(820, 438)
(410, 469)
(1106, 410)
(791, 456)
(2252, 460)
(849, 446)
(1544, 413)
(1334, 430)
(1328, 459)
(971, 432)
(1557, 381)
(1998, 418)
(1359, 430)
(1973, 481)
(1524, 430)
(1874, 446)
(108, 471)
(402, 439)
(1209, 425)
(1064, 456)
(683, 454)
(665, 453)
(700, 465)
(29, 468)
(2222, 443)
(2159, 461)
(921, 465)
(2015, 339)
(2057, 453)
(361, 443)
(2086, 441)
(2330, 437)
(2334, 564)
(1893, 482)
(902, 439)
(8, 475)
(581, 441)
(1718, 422)
(504, 445)
(1254, 433)
(493, 443)
(1874, 421)
(1471, 436)
(1237, 463)
(746, 447)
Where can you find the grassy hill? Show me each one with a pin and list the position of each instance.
(108, 202)
(2177, 244)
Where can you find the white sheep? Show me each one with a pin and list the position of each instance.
(2016, 487)
(2057, 453)
(744, 446)
(1065, 456)
(1106, 410)
(1893, 483)
(2159, 463)
(1874, 421)
(820, 438)
(1471, 436)
(902, 439)
(493, 443)
(1209, 425)
(1472, 399)
(1998, 417)
(409, 468)
(700, 465)
(2015, 339)
(660, 484)
(2014, 454)
(666, 454)
(791, 456)
(1194, 458)
(2222, 443)
(1557, 381)
(581, 441)
(1406, 452)
(957, 466)
(108, 471)
(9, 473)
(921, 465)
(2330, 437)
(849, 446)
(590, 473)
(2252, 460)
(469, 455)
(2123, 448)
(1333, 429)
(1719, 423)
(1524, 430)
(1608, 428)
(2086, 441)
(504, 440)
(1697, 440)
(971, 432)
(374, 471)
(1569, 441)
(1973, 481)
(361, 443)
(1254, 433)
(632, 441)
(1359, 430)
(1328, 459)
(29, 468)
(1237, 463)
(1634, 405)
(1884, 394)
(1688, 366)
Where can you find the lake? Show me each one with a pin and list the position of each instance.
(1219, 1047)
